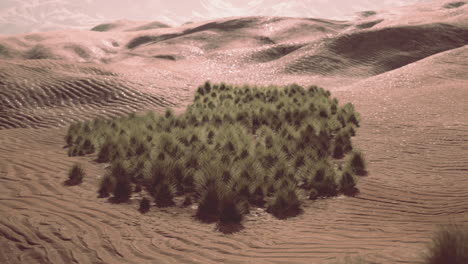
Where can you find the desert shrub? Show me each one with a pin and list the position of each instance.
(144, 205)
(245, 143)
(208, 207)
(368, 13)
(230, 211)
(326, 187)
(342, 144)
(122, 189)
(357, 163)
(449, 245)
(75, 175)
(348, 183)
(324, 179)
(454, 4)
(164, 194)
(106, 186)
(285, 204)
(103, 27)
(230, 214)
(257, 198)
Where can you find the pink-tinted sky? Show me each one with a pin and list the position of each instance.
(18, 16)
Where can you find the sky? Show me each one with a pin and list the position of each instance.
(22, 16)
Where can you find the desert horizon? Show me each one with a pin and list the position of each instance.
(264, 114)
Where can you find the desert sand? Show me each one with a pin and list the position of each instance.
(405, 70)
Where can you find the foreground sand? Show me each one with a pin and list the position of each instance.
(414, 131)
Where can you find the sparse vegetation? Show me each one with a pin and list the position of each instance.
(449, 245)
(357, 163)
(144, 205)
(454, 4)
(75, 175)
(368, 13)
(122, 189)
(233, 148)
(103, 27)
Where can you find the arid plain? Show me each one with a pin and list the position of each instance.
(405, 70)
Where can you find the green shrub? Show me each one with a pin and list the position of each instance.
(230, 211)
(285, 204)
(164, 194)
(122, 189)
(454, 4)
(257, 198)
(75, 175)
(103, 27)
(449, 245)
(357, 163)
(230, 214)
(106, 186)
(342, 144)
(348, 183)
(144, 205)
(326, 187)
(208, 207)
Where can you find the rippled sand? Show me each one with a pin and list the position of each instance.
(406, 71)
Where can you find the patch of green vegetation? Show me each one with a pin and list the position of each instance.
(75, 175)
(449, 245)
(233, 148)
(454, 4)
(357, 163)
(103, 27)
(144, 205)
(368, 13)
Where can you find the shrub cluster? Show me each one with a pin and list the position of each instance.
(233, 148)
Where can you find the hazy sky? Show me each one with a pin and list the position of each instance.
(18, 16)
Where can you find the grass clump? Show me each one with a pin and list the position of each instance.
(103, 27)
(144, 205)
(285, 204)
(454, 4)
(357, 163)
(122, 189)
(235, 147)
(449, 245)
(209, 204)
(75, 175)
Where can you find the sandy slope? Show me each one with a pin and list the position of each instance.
(407, 76)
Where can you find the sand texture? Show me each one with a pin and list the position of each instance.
(405, 70)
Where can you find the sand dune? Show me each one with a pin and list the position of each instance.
(378, 51)
(406, 75)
